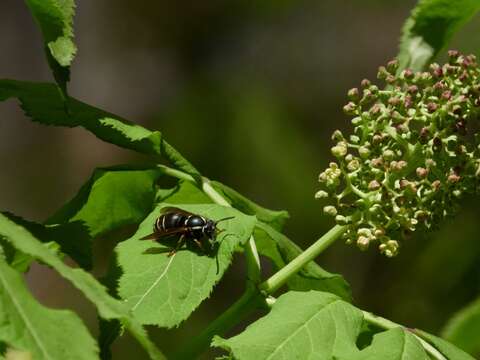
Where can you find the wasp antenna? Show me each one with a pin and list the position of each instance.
(227, 218)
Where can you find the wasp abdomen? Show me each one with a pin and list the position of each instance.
(169, 221)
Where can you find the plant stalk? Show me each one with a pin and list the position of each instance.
(249, 301)
(277, 280)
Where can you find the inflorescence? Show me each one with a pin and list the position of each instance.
(413, 153)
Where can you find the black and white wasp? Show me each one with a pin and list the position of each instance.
(189, 228)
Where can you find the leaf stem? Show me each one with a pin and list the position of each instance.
(388, 324)
(249, 301)
(277, 280)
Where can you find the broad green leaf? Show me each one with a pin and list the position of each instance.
(429, 29)
(55, 19)
(165, 290)
(183, 193)
(394, 344)
(107, 306)
(46, 333)
(317, 325)
(281, 250)
(274, 218)
(463, 329)
(301, 325)
(111, 198)
(447, 349)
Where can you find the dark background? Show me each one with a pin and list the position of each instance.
(250, 93)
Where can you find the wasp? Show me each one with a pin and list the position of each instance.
(189, 228)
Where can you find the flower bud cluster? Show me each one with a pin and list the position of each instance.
(413, 153)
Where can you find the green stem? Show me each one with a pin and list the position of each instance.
(248, 302)
(277, 280)
(388, 324)
(175, 173)
(251, 253)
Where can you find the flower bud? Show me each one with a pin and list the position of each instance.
(350, 108)
(364, 152)
(363, 242)
(330, 210)
(321, 194)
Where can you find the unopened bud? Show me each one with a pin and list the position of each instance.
(421, 172)
(363, 242)
(330, 210)
(374, 185)
(321, 194)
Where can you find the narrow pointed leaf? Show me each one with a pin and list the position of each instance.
(55, 19)
(164, 290)
(429, 29)
(107, 306)
(45, 333)
(281, 250)
(43, 103)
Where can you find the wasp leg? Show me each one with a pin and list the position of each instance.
(199, 244)
(180, 242)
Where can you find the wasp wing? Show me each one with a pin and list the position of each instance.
(168, 232)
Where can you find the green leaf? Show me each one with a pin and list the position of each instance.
(107, 306)
(44, 332)
(112, 197)
(165, 290)
(183, 193)
(393, 344)
(463, 329)
(276, 219)
(446, 348)
(301, 325)
(43, 103)
(429, 29)
(281, 250)
(55, 19)
(316, 325)
(71, 239)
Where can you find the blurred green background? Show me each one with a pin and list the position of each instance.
(250, 93)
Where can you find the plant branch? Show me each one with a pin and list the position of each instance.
(248, 302)
(277, 280)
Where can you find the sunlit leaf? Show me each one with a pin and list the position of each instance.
(107, 306)
(164, 290)
(316, 325)
(55, 19)
(45, 333)
(429, 29)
